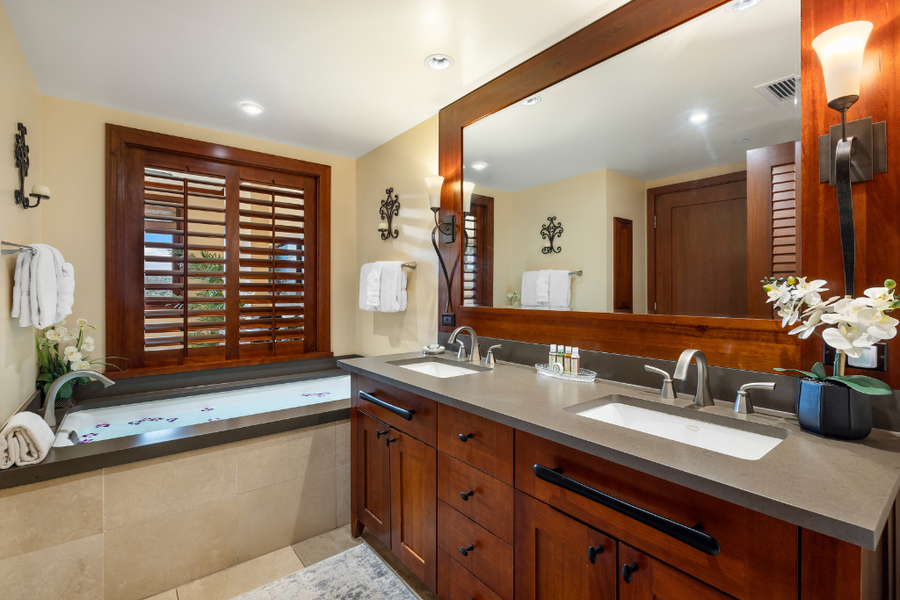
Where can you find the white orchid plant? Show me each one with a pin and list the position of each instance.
(62, 351)
(849, 325)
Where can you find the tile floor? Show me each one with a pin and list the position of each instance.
(242, 578)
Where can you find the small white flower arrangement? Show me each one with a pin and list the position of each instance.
(62, 351)
(849, 324)
(514, 299)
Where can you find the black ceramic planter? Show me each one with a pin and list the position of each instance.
(833, 410)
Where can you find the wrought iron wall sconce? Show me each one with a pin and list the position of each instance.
(844, 160)
(447, 226)
(22, 163)
(550, 232)
(390, 208)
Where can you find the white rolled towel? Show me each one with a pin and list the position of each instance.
(28, 439)
(6, 460)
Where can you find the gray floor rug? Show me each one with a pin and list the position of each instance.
(357, 574)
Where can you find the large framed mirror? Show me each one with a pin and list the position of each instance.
(664, 180)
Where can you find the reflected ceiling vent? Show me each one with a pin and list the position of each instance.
(781, 91)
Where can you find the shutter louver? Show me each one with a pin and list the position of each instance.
(784, 220)
(470, 263)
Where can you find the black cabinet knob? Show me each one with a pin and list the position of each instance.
(465, 495)
(378, 433)
(628, 571)
(593, 552)
(389, 440)
(463, 437)
(465, 551)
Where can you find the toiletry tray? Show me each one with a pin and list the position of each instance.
(584, 376)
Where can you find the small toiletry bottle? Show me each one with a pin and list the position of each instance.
(568, 363)
(576, 361)
(561, 356)
(552, 356)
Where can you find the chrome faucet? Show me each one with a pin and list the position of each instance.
(474, 356)
(50, 409)
(667, 392)
(743, 405)
(704, 395)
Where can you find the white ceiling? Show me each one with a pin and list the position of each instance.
(631, 113)
(336, 76)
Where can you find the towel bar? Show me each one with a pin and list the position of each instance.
(19, 248)
(579, 273)
(410, 265)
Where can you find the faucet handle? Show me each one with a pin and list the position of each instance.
(742, 403)
(489, 359)
(667, 391)
(462, 355)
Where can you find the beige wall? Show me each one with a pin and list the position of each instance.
(402, 163)
(20, 101)
(626, 198)
(74, 155)
(132, 531)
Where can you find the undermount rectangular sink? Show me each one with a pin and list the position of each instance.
(437, 367)
(740, 439)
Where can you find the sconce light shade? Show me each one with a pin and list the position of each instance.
(840, 51)
(468, 187)
(40, 190)
(434, 183)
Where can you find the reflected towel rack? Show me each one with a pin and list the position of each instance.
(19, 248)
(579, 273)
(409, 265)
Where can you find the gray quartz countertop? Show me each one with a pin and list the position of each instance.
(841, 489)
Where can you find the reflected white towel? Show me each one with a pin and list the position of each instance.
(28, 439)
(393, 284)
(560, 289)
(363, 278)
(21, 308)
(373, 286)
(529, 289)
(542, 292)
(51, 286)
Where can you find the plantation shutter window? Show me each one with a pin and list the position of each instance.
(214, 260)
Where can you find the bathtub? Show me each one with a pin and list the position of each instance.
(98, 424)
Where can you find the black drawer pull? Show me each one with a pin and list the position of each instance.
(692, 536)
(406, 414)
(389, 440)
(465, 495)
(593, 552)
(465, 551)
(378, 434)
(464, 437)
(628, 571)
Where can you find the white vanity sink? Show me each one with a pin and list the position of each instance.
(439, 368)
(739, 443)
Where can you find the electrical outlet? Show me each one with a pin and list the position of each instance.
(448, 320)
(873, 359)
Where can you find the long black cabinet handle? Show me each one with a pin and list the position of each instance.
(406, 414)
(693, 537)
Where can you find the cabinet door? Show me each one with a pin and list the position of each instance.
(414, 505)
(558, 558)
(373, 476)
(653, 580)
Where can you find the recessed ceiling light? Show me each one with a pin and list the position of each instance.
(439, 62)
(741, 141)
(740, 5)
(531, 101)
(478, 166)
(251, 108)
(699, 117)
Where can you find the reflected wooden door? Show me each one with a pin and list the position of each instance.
(700, 247)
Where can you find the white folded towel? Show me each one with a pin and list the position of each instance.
(363, 279)
(560, 289)
(393, 283)
(6, 460)
(21, 308)
(28, 439)
(52, 286)
(529, 289)
(373, 286)
(542, 292)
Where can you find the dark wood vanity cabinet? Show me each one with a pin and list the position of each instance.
(457, 497)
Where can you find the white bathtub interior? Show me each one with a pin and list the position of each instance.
(92, 425)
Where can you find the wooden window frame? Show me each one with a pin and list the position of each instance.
(124, 332)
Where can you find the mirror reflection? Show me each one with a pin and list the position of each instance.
(662, 180)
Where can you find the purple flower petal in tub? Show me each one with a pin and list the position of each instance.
(101, 425)
(211, 420)
(172, 420)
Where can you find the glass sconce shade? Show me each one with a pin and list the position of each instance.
(434, 183)
(467, 188)
(840, 51)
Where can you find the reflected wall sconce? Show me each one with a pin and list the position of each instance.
(390, 208)
(550, 232)
(847, 159)
(447, 226)
(22, 162)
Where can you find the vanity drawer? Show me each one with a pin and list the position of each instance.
(402, 410)
(490, 559)
(455, 583)
(486, 445)
(759, 554)
(490, 503)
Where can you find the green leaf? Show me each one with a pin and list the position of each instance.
(819, 370)
(807, 373)
(65, 391)
(45, 377)
(47, 387)
(866, 385)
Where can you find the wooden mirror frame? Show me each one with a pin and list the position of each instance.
(759, 345)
